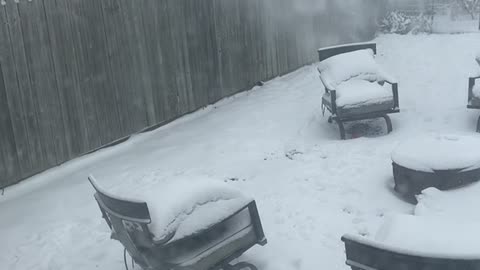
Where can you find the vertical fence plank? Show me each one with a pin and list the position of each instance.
(169, 100)
(124, 61)
(64, 64)
(38, 54)
(93, 70)
(141, 92)
(9, 166)
(22, 98)
(10, 169)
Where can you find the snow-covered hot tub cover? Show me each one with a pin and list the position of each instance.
(436, 152)
(184, 206)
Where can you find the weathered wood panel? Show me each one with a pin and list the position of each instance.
(22, 98)
(43, 84)
(9, 166)
(79, 74)
(64, 60)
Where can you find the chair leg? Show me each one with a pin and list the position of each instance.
(478, 124)
(342, 128)
(240, 266)
(389, 123)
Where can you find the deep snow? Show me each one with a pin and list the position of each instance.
(273, 144)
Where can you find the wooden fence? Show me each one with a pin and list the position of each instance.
(76, 75)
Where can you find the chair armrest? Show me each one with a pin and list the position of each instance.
(471, 84)
(166, 239)
(383, 76)
(396, 102)
(333, 100)
(326, 81)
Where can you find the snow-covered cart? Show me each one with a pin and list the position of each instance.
(355, 86)
(413, 243)
(177, 243)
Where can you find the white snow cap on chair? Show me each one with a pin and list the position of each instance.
(358, 64)
(184, 205)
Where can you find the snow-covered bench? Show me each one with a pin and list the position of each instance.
(196, 226)
(417, 243)
(355, 86)
(474, 93)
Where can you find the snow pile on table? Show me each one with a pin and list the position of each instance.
(458, 204)
(430, 236)
(431, 152)
(183, 206)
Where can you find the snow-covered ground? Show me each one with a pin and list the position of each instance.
(272, 143)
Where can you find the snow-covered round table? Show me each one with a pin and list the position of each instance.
(440, 161)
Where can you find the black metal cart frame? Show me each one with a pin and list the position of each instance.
(471, 104)
(339, 118)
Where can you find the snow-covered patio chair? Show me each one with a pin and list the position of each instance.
(406, 242)
(209, 235)
(474, 94)
(355, 85)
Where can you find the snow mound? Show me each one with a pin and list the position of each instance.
(454, 204)
(184, 206)
(354, 93)
(433, 152)
(429, 236)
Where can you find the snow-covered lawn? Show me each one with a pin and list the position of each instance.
(272, 143)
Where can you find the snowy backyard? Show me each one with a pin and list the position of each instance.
(273, 144)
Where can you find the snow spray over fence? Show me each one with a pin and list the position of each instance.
(77, 75)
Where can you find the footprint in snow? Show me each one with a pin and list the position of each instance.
(358, 220)
(292, 153)
(363, 231)
(348, 209)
